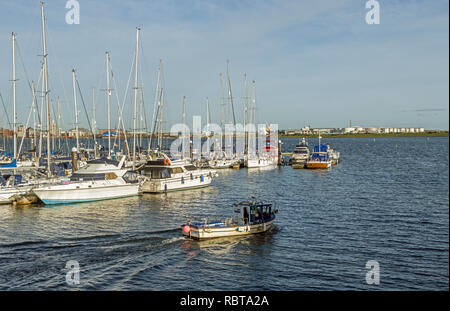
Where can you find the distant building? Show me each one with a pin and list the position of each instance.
(82, 132)
(372, 130)
(7, 132)
(20, 131)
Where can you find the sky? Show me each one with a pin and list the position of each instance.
(314, 63)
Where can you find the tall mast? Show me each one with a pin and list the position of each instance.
(108, 93)
(183, 114)
(156, 104)
(76, 109)
(253, 115)
(14, 92)
(33, 137)
(141, 116)
(94, 126)
(41, 118)
(47, 99)
(245, 111)
(208, 115)
(59, 126)
(230, 95)
(222, 110)
(252, 110)
(160, 126)
(135, 97)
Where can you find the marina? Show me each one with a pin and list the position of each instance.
(377, 212)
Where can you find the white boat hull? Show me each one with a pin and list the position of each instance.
(86, 191)
(6, 194)
(227, 231)
(262, 162)
(175, 184)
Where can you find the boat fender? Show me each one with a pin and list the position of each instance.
(186, 228)
(182, 180)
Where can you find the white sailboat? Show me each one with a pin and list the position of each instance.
(264, 158)
(10, 186)
(14, 184)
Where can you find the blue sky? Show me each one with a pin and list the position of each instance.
(314, 62)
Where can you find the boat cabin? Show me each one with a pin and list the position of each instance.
(321, 148)
(250, 212)
(162, 169)
(320, 156)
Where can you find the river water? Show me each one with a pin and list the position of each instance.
(388, 200)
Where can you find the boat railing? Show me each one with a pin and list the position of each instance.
(177, 180)
(210, 221)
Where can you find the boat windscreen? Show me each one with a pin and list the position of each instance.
(157, 172)
(103, 161)
(81, 177)
(191, 167)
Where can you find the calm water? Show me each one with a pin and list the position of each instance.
(387, 201)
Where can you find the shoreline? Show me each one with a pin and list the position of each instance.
(373, 135)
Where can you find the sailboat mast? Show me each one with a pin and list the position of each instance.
(47, 99)
(230, 96)
(14, 92)
(160, 126)
(33, 136)
(252, 112)
(59, 126)
(76, 109)
(222, 110)
(208, 115)
(183, 114)
(245, 112)
(135, 97)
(156, 104)
(94, 126)
(253, 117)
(141, 114)
(108, 93)
(41, 118)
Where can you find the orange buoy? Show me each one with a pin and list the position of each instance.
(186, 229)
(166, 161)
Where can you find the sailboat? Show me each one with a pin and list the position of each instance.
(268, 157)
(17, 184)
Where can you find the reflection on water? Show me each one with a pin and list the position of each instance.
(387, 200)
